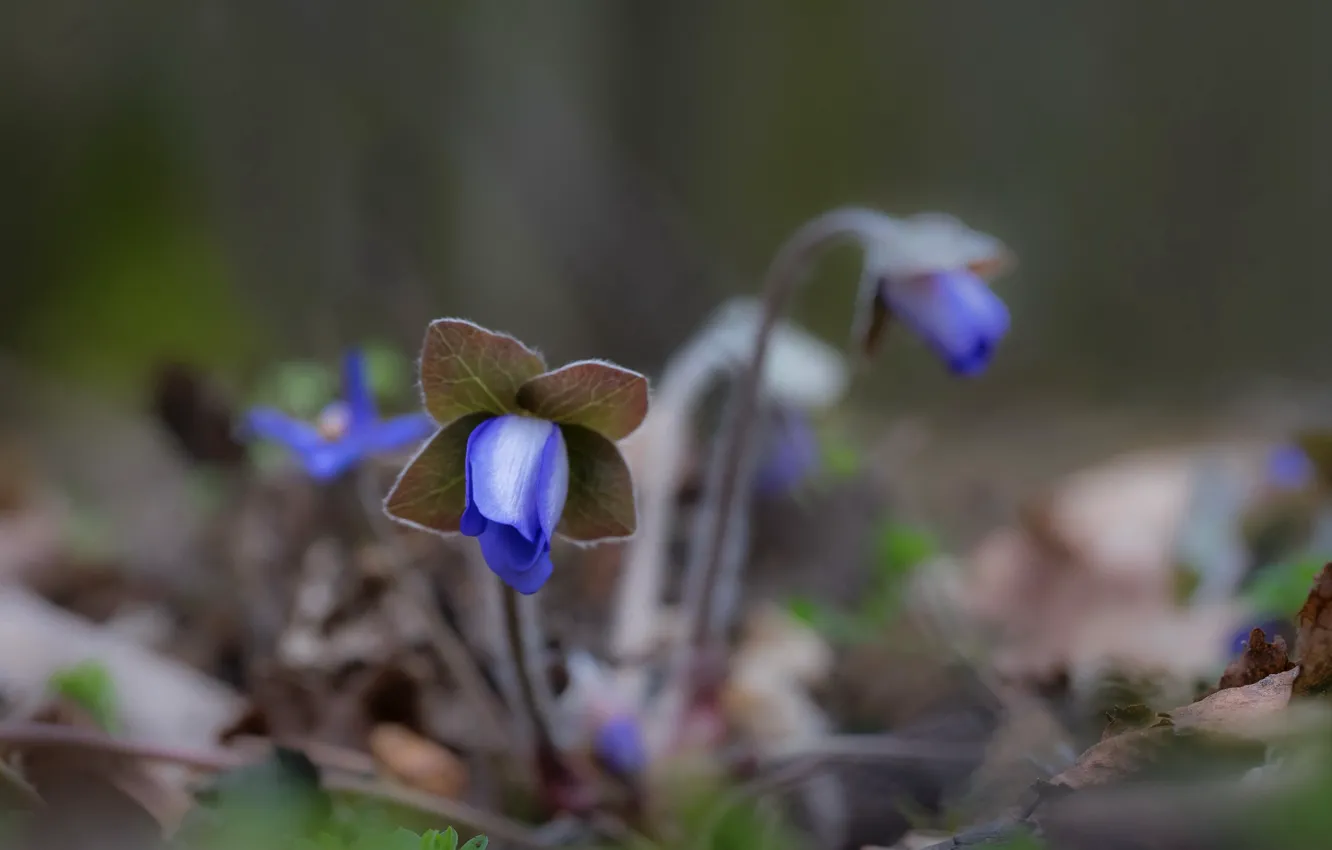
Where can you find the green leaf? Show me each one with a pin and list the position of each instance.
(468, 369)
(300, 387)
(600, 505)
(436, 840)
(902, 548)
(1282, 589)
(431, 493)
(601, 396)
(90, 686)
(480, 842)
(388, 372)
(841, 458)
(805, 610)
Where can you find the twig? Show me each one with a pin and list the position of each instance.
(54, 736)
(31, 736)
(412, 593)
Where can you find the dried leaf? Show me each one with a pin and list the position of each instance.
(1129, 717)
(431, 493)
(468, 369)
(417, 761)
(600, 503)
(600, 396)
(1259, 660)
(1313, 641)
(1256, 713)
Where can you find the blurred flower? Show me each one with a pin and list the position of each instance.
(1289, 468)
(955, 312)
(523, 453)
(791, 454)
(619, 747)
(345, 433)
(517, 481)
(929, 270)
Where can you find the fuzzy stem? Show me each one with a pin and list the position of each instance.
(735, 455)
(685, 379)
(525, 660)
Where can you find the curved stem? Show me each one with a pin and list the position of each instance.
(686, 377)
(734, 450)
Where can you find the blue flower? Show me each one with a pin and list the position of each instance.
(955, 312)
(619, 746)
(517, 480)
(1289, 468)
(346, 432)
(790, 456)
(522, 453)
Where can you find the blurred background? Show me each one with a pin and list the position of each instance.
(231, 181)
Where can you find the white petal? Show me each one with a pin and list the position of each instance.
(505, 465)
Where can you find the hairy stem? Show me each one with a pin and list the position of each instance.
(734, 457)
(526, 662)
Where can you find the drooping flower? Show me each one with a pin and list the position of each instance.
(930, 271)
(1289, 468)
(790, 453)
(347, 431)
(619, 746)
(522, 453)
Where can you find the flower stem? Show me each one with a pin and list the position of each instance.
(717, 551)
(525, 649)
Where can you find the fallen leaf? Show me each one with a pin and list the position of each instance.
(1117, 757)
(1259, 660)
(1258, 713)
(1129, 717)
(417, 761)
(1313, 641)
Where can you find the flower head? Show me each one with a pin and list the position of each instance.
(522, 453)
(345, 433)
(929, 271)
(619, 746)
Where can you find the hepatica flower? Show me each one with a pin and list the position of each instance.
(346, 432)
(790, 453)
(522, 453)
(930, 271)
(1289, 468)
